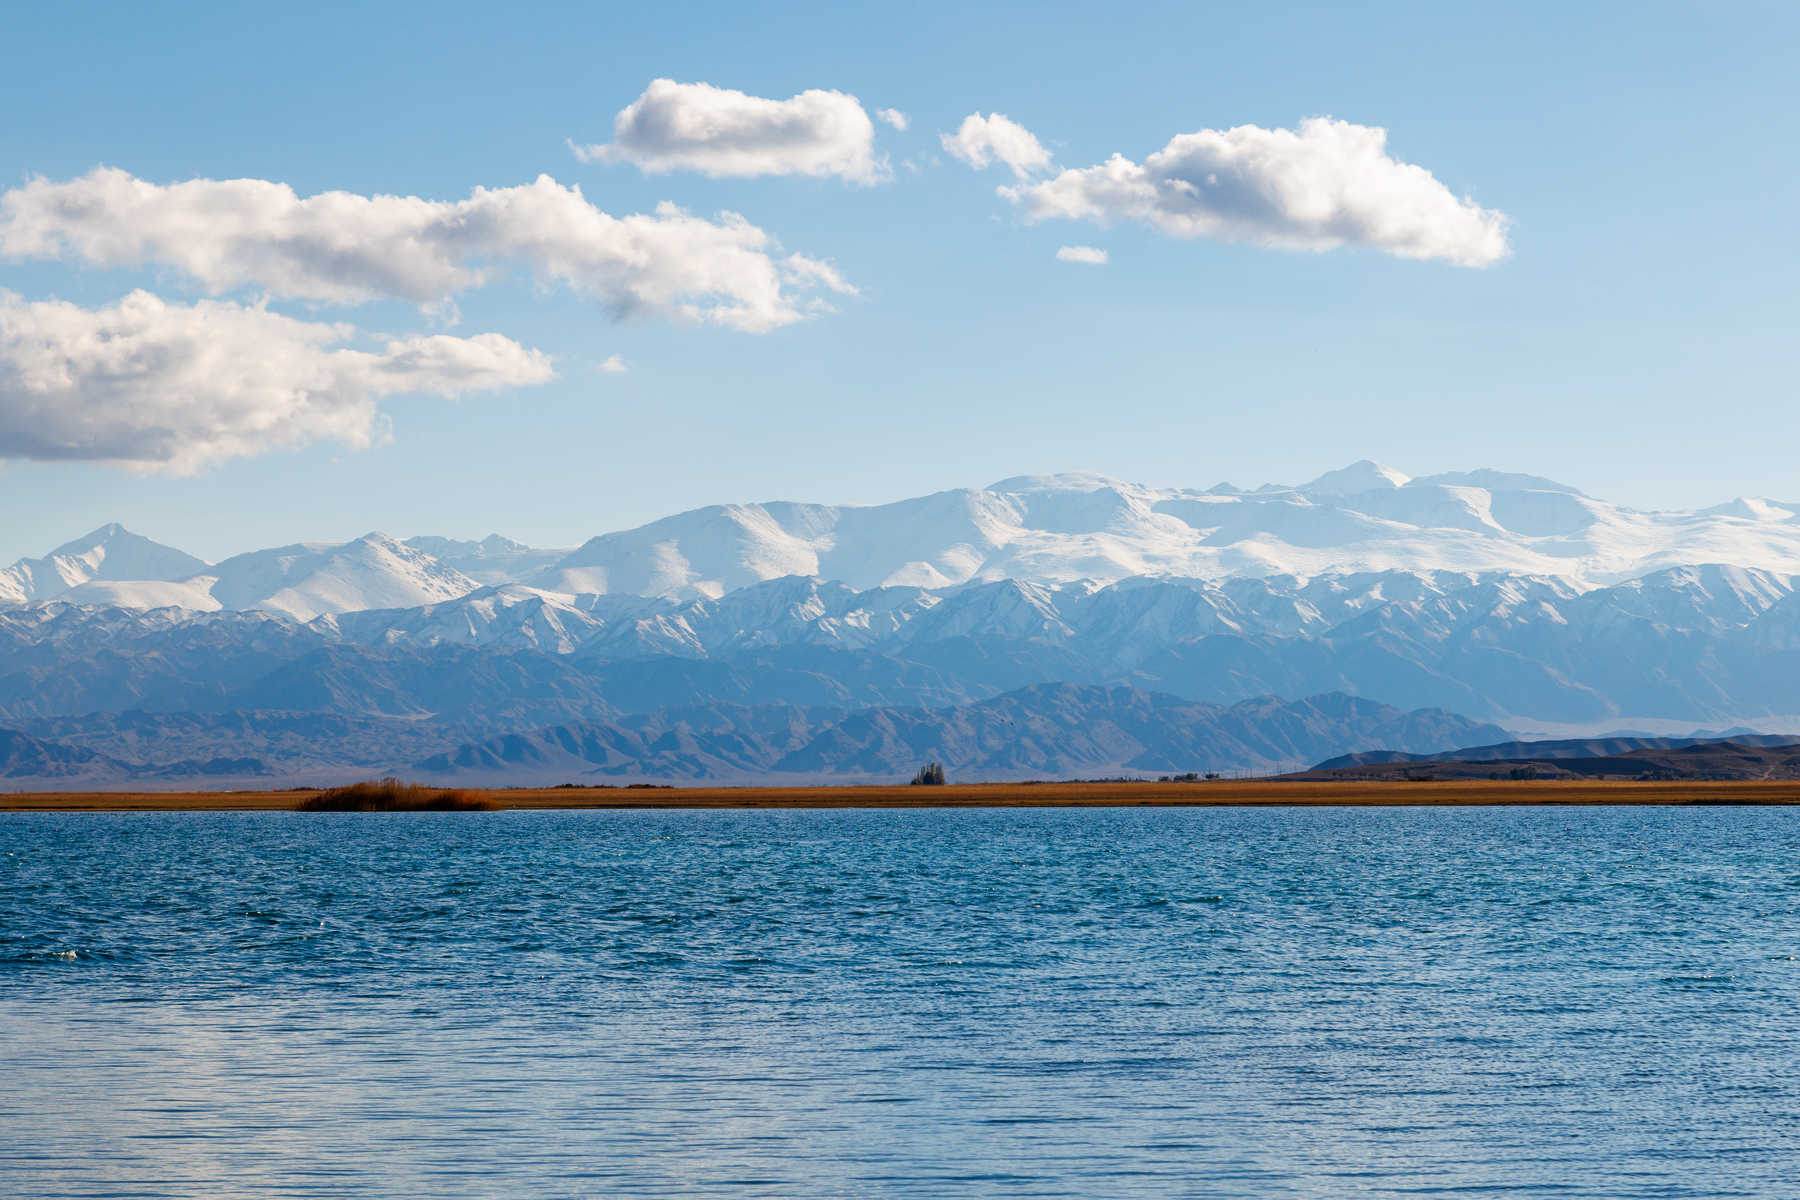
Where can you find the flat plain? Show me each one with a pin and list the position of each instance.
(1223, 793)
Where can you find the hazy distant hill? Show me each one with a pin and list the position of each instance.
(1552, 749)
(1047, 731)
(1745, 758)
(25, 757)
(1057, 730)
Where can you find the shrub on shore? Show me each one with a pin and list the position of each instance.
(391, 795)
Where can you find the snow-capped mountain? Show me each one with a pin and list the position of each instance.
(109, 554)
(757, 630)
(1707, 645)
(511, 615)
(1038, 530)
(492, 560)
(305, 581)
(301, 581)
(1062, 528)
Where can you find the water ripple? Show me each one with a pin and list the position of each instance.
(1130, 1003)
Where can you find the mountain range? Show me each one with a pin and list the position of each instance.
(1512, 600)
(1705, 645)
(1055, 530)
(1739, 757)
(1052, 730)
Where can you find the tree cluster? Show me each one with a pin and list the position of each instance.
(930, 775)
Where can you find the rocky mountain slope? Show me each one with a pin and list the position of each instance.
(1053, 730)
(1708, 645)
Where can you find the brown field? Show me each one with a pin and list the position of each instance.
(1250, 793)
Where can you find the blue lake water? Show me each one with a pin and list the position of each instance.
(1094, 1003)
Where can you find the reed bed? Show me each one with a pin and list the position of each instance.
(392, 795)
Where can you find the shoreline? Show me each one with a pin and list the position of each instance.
(1220, 794)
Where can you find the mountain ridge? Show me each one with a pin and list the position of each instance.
(1044, 529)
(1055, 729)
(1706, 645)
(1047, 730)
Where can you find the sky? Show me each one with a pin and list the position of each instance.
(1548, 238)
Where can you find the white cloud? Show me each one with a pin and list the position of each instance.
(807, 272)
(173, 387)
(1325, 185)
(894, 117)
(981, 140)
(613, 365)
(346, 248)
(719, 132)
(1092, 255)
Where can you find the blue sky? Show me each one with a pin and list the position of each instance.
(1637, 341)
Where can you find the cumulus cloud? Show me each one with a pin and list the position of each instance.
(894, 117)
(1327, 184)
(613, 365)
(1092, 255)
(345, 248)
(172, 387)
(719, 132)
(980, 141)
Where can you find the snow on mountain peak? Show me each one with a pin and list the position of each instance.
(1040, 529)
(1753, 508)
(1066, 481)
(493, 560)
(1495, 481)
(1061, 528)
(90, 541)
(374, 571)
(110, 554)
(1358, 477)
(113, 550)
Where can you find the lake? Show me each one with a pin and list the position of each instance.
(1071, 1002)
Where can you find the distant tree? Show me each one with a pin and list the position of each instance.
(930, 775)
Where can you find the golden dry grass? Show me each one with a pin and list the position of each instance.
(1250, 793)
